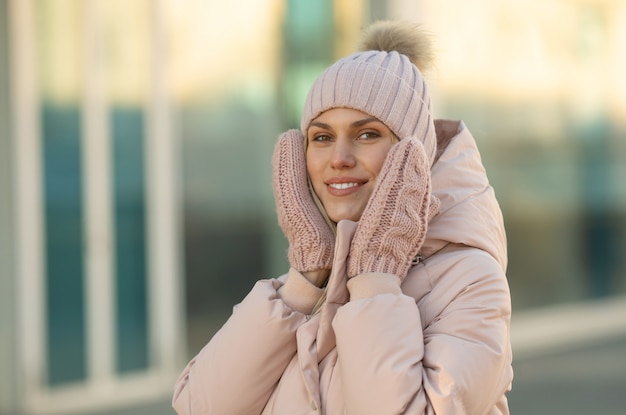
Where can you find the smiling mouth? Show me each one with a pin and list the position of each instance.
(341, 186)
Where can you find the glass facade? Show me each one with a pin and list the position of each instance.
(542, 99)
(61, 91)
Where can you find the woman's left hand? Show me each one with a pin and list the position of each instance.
(393, 225)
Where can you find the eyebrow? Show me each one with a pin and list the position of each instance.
(364, 121)
(358, 123)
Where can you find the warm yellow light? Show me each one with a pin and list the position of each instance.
(59, 53)
(216, 45)
(516, 50)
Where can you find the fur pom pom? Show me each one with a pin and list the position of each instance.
(403, 37)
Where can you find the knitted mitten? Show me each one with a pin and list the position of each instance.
(311, 241)
(393, 225)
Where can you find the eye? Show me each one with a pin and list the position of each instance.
(320, 137)
(369, 135)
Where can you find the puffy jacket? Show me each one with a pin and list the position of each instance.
(436, 344)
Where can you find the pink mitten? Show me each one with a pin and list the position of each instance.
(311, 241)
(393, 225)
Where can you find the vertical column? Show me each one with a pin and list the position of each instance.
(162, 152)
(9, 372)
(96, 153)
(28, 194)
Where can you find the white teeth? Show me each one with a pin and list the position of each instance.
(342, 185)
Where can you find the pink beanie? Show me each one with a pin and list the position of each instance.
(383, 84)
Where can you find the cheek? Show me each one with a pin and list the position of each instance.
(312, 166)
(376, 164)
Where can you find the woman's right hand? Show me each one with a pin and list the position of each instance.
(311, 241)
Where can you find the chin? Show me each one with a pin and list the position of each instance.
(349, 216)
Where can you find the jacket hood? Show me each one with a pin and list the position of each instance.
(469, 213)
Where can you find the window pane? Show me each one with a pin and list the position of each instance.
(130, 220)
(64, 248)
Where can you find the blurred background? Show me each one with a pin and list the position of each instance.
(135, 181)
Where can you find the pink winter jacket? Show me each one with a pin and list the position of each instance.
(437, 344)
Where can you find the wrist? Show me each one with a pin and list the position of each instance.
(317, 277)
(298, 292)
(373, 283)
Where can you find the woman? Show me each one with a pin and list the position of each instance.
(396, 301)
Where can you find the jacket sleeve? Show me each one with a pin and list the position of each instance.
(236, 372)
(459, 363)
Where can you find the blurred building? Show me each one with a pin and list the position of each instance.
(135, 181)
(90, 214)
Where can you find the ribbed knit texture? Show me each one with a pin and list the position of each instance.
(383, 84)
(311, 241)
(393, 226)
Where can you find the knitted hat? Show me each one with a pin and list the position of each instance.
(384, 84)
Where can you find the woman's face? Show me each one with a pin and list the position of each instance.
(346, 150)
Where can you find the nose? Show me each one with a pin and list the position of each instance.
(343, 155)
